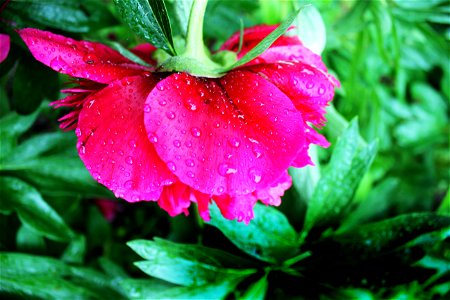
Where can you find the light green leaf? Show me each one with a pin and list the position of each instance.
(310, 29)
(333, 194)
(268, 237)
(187, 265)
(33, 210)
(256, 291)
(182, 13)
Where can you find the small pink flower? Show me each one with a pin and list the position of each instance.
(176, 138)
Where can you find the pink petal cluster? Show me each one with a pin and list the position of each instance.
(178, 139)
(5, 44)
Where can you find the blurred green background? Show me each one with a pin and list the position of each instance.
(371, 221)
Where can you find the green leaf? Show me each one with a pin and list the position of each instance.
(149, 20)
(187, 265)
(11, 127)
(144, 288)
(310, 29)
(76, 250)
(40, 144)
(43, 287)
(59, 175)
(67, 15)
(374, 239)
(257, 291)
(269, 236)
(265, 43)
(333, 194)
(28, 240)
(33, 82)
(127, 53)
(182, 13)
(33, 210)
(154, 289)
(17, 265)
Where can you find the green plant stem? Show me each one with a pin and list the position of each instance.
(194, 44)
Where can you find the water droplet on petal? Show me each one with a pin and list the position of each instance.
(177, 143)
(132, 144)
(90, 59)
(321, 90)
(129, 184)
(189, 163)
(220, 189)
(190, 174)
(226, 169)
(152, 137)
(234, 142)
(171, 165)
(162, 102)
(257, 151)
(188, 144)
(147, 108)
(170, 115)
(309, 85)
(129, 160)
(82, 150)
(255, 175)
(78, 132)
(196, 132)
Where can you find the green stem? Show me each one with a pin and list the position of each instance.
(194, 46)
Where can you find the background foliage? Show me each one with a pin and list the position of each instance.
(371, 221)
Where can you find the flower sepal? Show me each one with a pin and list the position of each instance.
(192, 66)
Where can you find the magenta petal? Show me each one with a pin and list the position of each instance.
(237, 207)
(81, 59)
(272, 194)
(175, 199)
(309, 88)
(113, 143)
(4, 46)
(231, 135)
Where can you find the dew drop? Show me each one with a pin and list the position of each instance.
(132, 144)
(220, 189)
(162, 102)
(321, 90)
(147, 108)
(234, 142)
(129, 184)
(160, 87)
(153, 138)
(82, 150)
(226, 169)
(309, 85)
(177, 143)
(257, 151)
(189, 163)
(78, 132)
(90, 59)
(255, 175)
(171, 165)
(170, 115)
(188, 144)
(190, 174)
(196, 132)
(129, 160)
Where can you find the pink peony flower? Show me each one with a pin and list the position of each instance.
(176, 138)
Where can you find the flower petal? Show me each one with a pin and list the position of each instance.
(231, 135)
(113, 143)
(81, 59)
(175, 198)
(309, 88)
(145, 52)
(236, 207)
(272, 194)
(4, 46)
